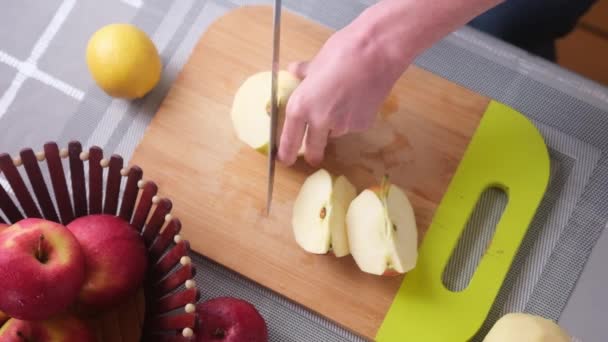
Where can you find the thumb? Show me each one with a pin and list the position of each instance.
(299, 69)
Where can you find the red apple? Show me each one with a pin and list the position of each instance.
(42, 269)
(229, 319)
(115, 257)
(58, 329)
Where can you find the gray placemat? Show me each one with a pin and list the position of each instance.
(47, 94)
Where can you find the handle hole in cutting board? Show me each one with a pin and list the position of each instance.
(475, 239)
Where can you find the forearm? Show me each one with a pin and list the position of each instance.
(402, 29)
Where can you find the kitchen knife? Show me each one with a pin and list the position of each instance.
(274, 112)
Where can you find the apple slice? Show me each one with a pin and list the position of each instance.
(250, 111)
(382, 232)
(344, 193)
(319, 213)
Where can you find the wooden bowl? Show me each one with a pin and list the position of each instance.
(164, 308)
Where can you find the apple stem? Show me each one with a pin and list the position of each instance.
(219, 333)
(385, 186)
(40, 255)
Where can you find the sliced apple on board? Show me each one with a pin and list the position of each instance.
(251, 108)
(319, 214)
(381, 229)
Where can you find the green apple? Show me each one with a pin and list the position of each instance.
(319, 213)
(382, 230)
(42, 269)
(522, 327)
(64, 328)
(250, 111)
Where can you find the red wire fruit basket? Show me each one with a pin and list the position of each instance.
(84, 183)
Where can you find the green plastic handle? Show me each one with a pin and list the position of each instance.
(508, 152)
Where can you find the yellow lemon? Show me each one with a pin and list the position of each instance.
(123, 61)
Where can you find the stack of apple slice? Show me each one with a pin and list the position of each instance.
(377, 227)
(320, 212)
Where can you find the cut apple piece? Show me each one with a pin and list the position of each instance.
(382, 232)
(251, 105)
(319, 214)
(343, 194)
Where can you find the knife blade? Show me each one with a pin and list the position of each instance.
(274, 112)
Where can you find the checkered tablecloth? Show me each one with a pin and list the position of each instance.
(46, 93)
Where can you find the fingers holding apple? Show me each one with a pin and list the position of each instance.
(65, 328)
(229, 319)
(116, 260)
(251, 108)
(42, 269)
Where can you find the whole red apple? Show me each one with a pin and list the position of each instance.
(229, 319)
(42, 269)
(58, 329)
(116, 260)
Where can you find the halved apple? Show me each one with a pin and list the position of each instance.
(381, 229)
(319, 213)
(251, 105)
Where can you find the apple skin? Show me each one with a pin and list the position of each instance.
(3, 318)
(34, 289)
(391, 273)
(116, 260)
(229, 319)
(57, 329)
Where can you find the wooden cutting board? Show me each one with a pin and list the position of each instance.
(218, 185)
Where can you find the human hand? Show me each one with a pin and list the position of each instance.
(346, 82)
(341, 92)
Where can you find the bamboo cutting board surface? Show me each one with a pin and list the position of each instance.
(218, 184)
